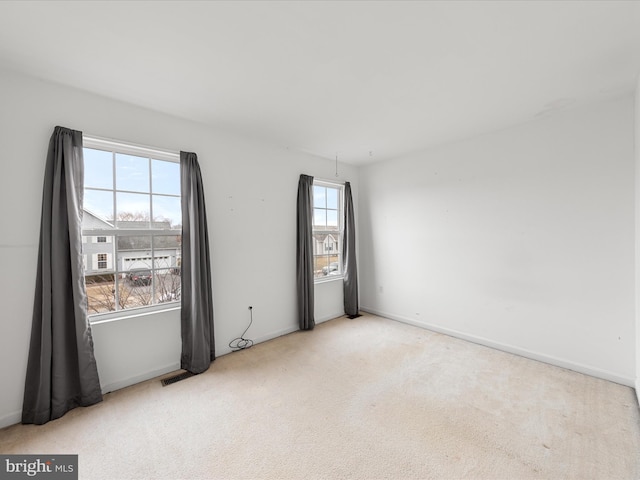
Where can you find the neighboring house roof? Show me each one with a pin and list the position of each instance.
(321, 237)
(92, 220)
(137, 224)
(137, 243)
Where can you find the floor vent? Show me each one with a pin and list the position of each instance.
(176, 378)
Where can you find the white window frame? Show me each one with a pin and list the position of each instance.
(99, 143)
(105, 261)
(340, 187)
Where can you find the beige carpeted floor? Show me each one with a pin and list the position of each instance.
(365, 399)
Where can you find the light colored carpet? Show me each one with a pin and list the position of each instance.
(367, 398)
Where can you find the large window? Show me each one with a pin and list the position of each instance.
(132, 226)
(327, 229)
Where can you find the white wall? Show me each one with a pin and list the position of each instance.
(127, 354)
(250, 190)
(521, 239)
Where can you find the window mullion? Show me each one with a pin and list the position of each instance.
(153, 267)
(153, 238)
(116, 275)
(115, 206)
(150, 196)
(123, 232)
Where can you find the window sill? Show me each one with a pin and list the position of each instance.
(100, 318)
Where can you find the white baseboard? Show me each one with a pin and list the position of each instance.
(16, 417)
(11, 419)
(328, 317)
(558, 362)
(127, 382)
(276, 334)
(269, 336)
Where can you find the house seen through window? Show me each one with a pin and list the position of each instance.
(132, 226)
(327, 229)
(102, 260)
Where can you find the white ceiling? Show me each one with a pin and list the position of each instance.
(334, 77)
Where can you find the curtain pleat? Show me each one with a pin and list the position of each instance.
(198, 342)
(351, 304)
(61, 367)
(304, 254)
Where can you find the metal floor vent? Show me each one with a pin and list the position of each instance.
(176, 378)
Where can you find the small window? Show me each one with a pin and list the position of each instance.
(101, 240)
(102, 261)
(327, 229)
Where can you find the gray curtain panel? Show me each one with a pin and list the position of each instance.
(304, 253)
(198, 343)
(61, 369)
(350, 268)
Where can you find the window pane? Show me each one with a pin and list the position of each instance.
(319, 197)
(332, 198)
(319, 218)
(97, 256)
(326, 265)
(166, 250)
(332, 218)
(125, 291)
(99, 206)
(133, 210)
(330, 244)
(333, 267)
(134, 253)
(163, 259)
(165, 177)
(167, 209)
(318, 263)
(132, 173)
(318, 239)
(101, 293)
(138, 288)
(167, 285)
(337, 242)
(98, 168)
(135, 243)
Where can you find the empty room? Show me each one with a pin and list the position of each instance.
(320, 240)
